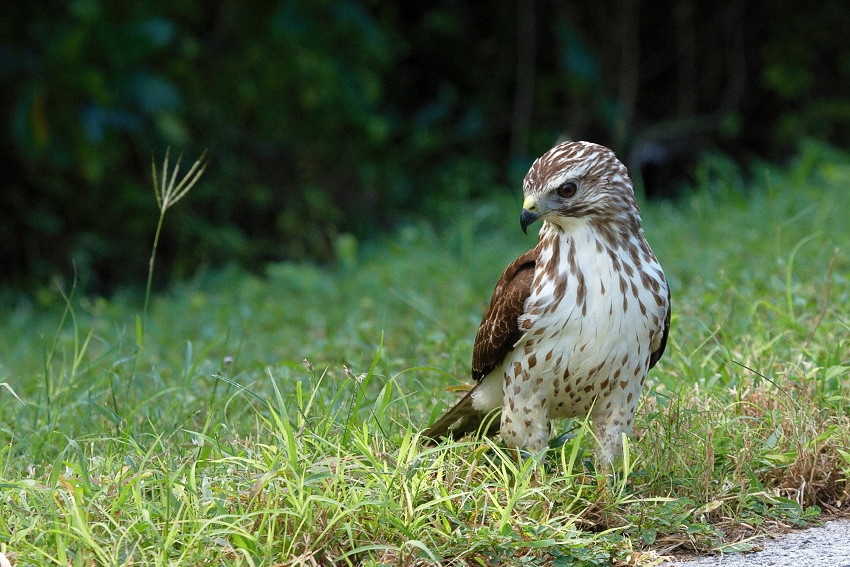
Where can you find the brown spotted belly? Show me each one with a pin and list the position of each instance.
(579, 372)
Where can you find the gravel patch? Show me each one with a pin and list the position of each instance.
(823, 546)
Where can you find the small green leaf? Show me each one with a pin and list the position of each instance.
(834, 371)
(737, 547)
(244, 542)
(11, 391)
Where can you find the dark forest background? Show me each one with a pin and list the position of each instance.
(325, 118)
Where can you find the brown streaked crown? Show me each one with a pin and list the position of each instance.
(604, 186)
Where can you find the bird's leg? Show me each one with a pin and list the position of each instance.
(612, 417)
(526, 426)
(609, 435)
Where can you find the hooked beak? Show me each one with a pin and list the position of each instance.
(530, 213)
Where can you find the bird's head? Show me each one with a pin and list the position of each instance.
(575, 180)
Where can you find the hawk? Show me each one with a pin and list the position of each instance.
(575, 323)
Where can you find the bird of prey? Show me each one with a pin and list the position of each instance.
(575, 323)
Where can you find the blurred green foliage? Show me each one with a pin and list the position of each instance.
(327, 120)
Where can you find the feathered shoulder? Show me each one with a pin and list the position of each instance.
(499, 330)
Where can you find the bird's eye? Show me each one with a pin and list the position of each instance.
(567, 190)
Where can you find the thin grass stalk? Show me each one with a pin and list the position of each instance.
(150, 268)
(168, 194)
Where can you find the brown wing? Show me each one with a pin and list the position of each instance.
(655, 356)
(499, 330)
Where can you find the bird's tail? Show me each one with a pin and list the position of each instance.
(460, 420)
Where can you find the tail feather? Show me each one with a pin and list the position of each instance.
(459, 421)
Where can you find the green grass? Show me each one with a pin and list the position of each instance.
(274, 420)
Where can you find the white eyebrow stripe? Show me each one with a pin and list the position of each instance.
(571, 173)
